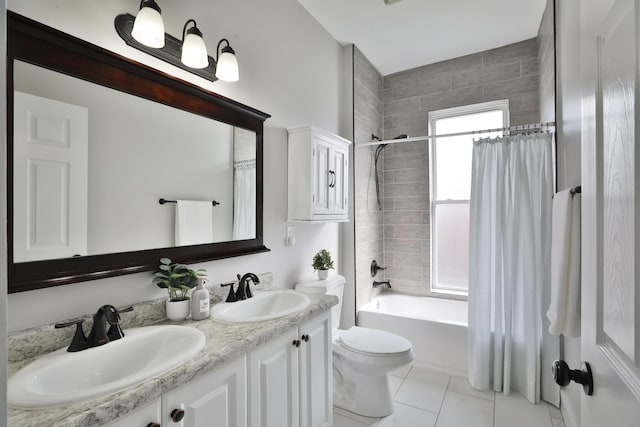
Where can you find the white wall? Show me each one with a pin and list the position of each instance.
(289, 67)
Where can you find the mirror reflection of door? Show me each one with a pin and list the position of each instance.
(50, 178)
(137, 152)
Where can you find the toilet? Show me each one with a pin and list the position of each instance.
(362, 357)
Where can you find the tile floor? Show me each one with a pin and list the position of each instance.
(426, 398)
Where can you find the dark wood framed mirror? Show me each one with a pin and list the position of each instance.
(34, 49)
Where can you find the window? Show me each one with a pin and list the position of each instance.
(450, 177)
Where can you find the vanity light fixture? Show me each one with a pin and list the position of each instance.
(148, 27)
(227, 65)
(190, 53)
(194, 51)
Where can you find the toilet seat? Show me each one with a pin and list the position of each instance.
(374, 342)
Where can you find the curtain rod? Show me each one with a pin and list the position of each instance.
(517, 128)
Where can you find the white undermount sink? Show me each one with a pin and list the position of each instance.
(262, 306)
(61, 377)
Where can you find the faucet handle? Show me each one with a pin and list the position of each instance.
(115, 330)
(232, 295)
(79, 341)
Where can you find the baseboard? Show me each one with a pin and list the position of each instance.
(569, 415)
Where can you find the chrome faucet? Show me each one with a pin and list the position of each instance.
(384, 283)
(244, 291)
(99, 334)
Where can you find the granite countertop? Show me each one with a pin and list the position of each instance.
(224, 342)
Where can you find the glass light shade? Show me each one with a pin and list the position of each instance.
(148, 28)
(227, 67)
(194, 52)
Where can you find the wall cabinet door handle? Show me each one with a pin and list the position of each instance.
(296, 343)
(305, 338)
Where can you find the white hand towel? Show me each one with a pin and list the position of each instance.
(194, 222)
(564, 310)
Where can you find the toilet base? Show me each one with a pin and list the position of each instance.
(369, 396)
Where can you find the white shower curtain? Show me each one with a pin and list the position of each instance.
(509, 247)
(244, 200)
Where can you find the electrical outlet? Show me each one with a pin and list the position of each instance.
(290, 238)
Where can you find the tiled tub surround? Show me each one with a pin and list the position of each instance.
(225, 342)
(508, 72)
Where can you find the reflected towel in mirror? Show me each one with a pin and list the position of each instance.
(194, 222)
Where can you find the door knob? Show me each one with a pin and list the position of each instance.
(563, 375)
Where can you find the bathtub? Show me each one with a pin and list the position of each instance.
(436, 327)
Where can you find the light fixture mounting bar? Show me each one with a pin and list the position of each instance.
(171, 52)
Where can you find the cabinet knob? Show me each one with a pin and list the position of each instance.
(296, 343)
(153, 425)
(305, 338)
(177, 415)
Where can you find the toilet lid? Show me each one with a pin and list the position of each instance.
(374, 341)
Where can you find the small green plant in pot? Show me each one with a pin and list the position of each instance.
(322, 262)
(177, 279)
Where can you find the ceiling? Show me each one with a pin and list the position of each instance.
(410, 33)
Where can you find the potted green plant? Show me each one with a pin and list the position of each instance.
(177, 279)
(322, 262)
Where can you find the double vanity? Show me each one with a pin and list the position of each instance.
(267, 363)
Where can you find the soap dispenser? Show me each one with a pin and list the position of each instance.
(200, 301)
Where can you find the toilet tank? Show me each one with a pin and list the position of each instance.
(333, 285)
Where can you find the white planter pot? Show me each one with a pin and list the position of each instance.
(323, 274)
(178, 310)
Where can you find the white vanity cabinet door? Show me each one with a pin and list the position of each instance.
(273, 382)
(316, 372)
(317, 175)
(217, 399)
(142, 417)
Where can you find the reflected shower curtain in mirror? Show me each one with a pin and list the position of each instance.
(509, 247)
(244, 199)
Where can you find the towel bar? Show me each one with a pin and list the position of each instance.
(163, 201)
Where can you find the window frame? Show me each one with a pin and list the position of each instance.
(433, 117)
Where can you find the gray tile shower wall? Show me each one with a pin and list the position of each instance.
(510, 71)
(368, 107)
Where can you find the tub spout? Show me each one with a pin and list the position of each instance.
(384, 283)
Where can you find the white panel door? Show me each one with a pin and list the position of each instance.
(273, 382)
(611, 215)
(316, 372)
(217, 399)
(50, 178)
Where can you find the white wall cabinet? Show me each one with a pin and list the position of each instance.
(318, 175)
(290, 378)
